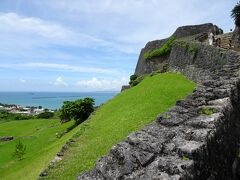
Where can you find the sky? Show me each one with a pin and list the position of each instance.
(89, 45)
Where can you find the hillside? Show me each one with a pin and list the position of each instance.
(39, 136)
(114, 121)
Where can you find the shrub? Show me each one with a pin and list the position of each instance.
(136, 81)
(45, 115)
(79, 110)
(163, 50)
(22, 117)
(192, 49)
(132, 79)
(20, 150)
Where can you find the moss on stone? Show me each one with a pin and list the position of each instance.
(207, 111)
(185, 158)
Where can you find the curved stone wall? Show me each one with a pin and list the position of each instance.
(198, 138)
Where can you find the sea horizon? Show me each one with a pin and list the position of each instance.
(50, 99)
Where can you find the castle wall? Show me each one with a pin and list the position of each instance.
(185, 142)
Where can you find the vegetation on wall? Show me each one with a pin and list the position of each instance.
(163, 50)
(207, 111)
(192, 48)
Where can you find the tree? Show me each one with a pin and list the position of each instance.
(20, 150)
(235, 14)
(78, 110)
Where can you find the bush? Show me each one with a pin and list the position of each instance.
(132, 79)
(136, 81)
(79, 110)
(20, 150)
(163, 50)
(22, 117)
(45, 115)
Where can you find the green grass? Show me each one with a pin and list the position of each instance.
(39, 136)
(163, 50)
(129, 111)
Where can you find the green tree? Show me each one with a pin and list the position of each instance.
(78, 110)
(236, 16)
(20, 150)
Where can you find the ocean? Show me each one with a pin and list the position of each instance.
(51, 100)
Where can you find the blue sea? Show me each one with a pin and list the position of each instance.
(51, 100)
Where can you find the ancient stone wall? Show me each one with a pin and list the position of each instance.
(198, 138)
(147, 66)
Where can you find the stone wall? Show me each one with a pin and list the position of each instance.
(198, 138)
(147, 66)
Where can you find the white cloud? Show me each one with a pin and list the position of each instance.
(96, 84)
(16, 23)
(45, 32)
(66, 67)
(130, 24)
(23, 81)
(59, 82)
(60, 67)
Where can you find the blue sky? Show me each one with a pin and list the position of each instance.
(89, 45)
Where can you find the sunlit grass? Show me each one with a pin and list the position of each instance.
(127, 112)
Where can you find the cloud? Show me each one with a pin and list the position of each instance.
(59, 82)
(60, 67)
(45, 31)
(130, 24)
(104, 84)
(23, 81)
(66, 67)
(16, 23)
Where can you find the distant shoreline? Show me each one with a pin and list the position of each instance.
(51, 100)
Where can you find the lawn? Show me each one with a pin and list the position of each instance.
(129, 111)
(39, 137)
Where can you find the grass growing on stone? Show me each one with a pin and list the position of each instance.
(39, 137)
(207, 111)
(129, 111)
(163, 50)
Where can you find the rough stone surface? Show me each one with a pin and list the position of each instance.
(236, 37)
(196, 29)
(125, 87)
(184, 143)
(6, 138)
(56, 159)
(147, 66)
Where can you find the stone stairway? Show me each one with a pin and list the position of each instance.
(225, 40)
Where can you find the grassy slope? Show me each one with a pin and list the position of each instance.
(127, 112)
(39, 136)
